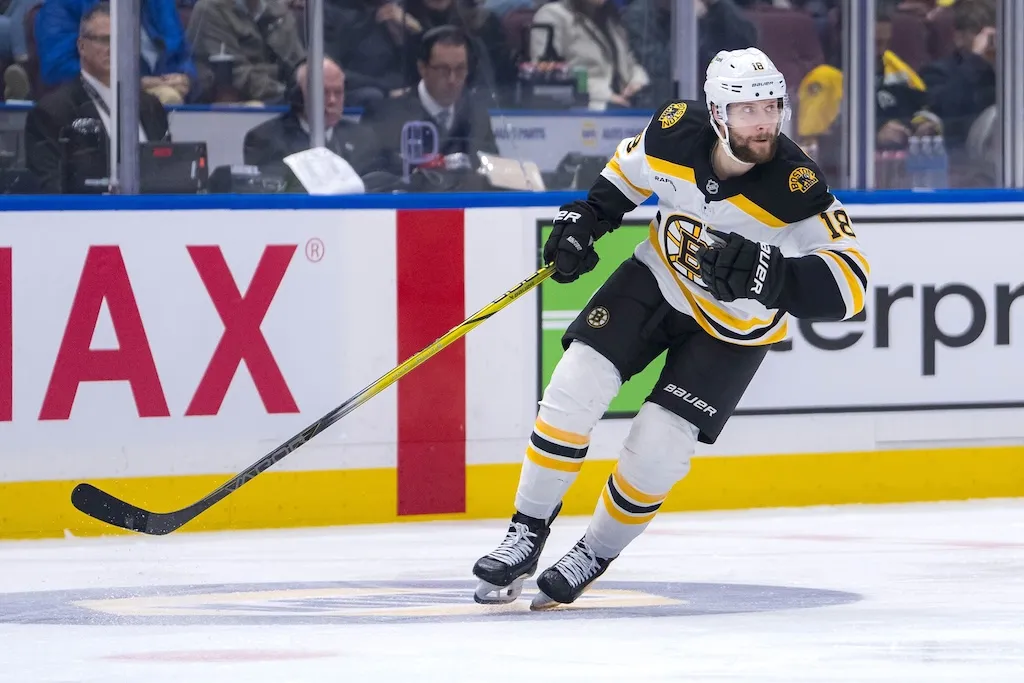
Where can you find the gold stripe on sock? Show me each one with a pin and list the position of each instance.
(547, 461)
(619, 516)
(556, 434)
(632, 492)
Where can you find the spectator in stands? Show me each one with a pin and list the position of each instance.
(372, 41)
(788, 34)
(269, 143)
(900, 97)
(720, 26)
(963, 85)
(85, 97)
(941, 32)
(491, 65)
(14, 48)
(649, 27)
(590, 34)
(440, 98)
(260, 39)
(165, 61)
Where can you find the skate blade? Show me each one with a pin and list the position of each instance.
(542, 602)
(489, 594)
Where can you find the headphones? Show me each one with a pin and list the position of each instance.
(476, 52)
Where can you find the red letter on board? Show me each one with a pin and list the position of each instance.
(104, 277)
(242, 339)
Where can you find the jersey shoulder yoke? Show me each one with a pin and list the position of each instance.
(674, 129)
(792, 186)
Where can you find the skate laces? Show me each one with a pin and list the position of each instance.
(578, 564)
(517, 544)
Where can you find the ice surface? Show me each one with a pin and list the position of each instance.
(911, 593)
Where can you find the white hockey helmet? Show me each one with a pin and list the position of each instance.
(744, 75)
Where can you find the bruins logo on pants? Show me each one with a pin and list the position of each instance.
(598, 317)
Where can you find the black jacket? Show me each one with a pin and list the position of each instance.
(269, 143)
(364, 47)
(960, 87)
(60, 108)
(469, 133)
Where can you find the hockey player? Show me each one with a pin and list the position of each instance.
(747, 233)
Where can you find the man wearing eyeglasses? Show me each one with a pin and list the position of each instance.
(165, 60)
(83, 104)
(441, 98)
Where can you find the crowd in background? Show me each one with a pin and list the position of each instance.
(451, 61)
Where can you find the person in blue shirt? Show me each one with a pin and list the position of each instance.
(165, 61)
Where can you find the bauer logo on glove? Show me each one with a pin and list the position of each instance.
(734, 267)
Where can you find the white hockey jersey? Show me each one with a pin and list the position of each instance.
(785, 202)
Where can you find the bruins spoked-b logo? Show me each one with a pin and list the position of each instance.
(598, 317)
(681, 243)
(672, 114)
(802, 179)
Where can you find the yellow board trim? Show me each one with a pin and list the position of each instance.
(42, 509)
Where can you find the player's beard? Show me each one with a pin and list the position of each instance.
(747, 153)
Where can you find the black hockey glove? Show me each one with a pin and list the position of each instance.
(738, 268)
(571, 244)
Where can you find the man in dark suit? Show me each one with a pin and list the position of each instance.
(440, 98)
(269, 143)
(85, 100)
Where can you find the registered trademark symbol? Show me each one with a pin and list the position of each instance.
(314, 250)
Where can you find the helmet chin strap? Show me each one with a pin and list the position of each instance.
(723, 138)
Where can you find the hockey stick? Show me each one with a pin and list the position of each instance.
(106, 508)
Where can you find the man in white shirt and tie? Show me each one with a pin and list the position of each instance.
(84, 98)
(440, 98)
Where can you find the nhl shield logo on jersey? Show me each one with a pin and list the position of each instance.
(598, 317)
(802, 179)
(672, 114)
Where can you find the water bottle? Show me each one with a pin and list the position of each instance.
(914, 163)
(928, 165)
(941, 180)
(899, 164)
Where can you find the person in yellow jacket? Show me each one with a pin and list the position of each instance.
(899, 97)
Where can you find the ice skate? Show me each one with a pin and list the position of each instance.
(503, 570)
(566, 580)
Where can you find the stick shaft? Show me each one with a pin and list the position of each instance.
(107, 508)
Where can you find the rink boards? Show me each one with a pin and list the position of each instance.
(159, 349)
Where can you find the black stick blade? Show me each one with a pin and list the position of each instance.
(106, 508)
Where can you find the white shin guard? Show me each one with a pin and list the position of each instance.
(583, 384)
(655, 457)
